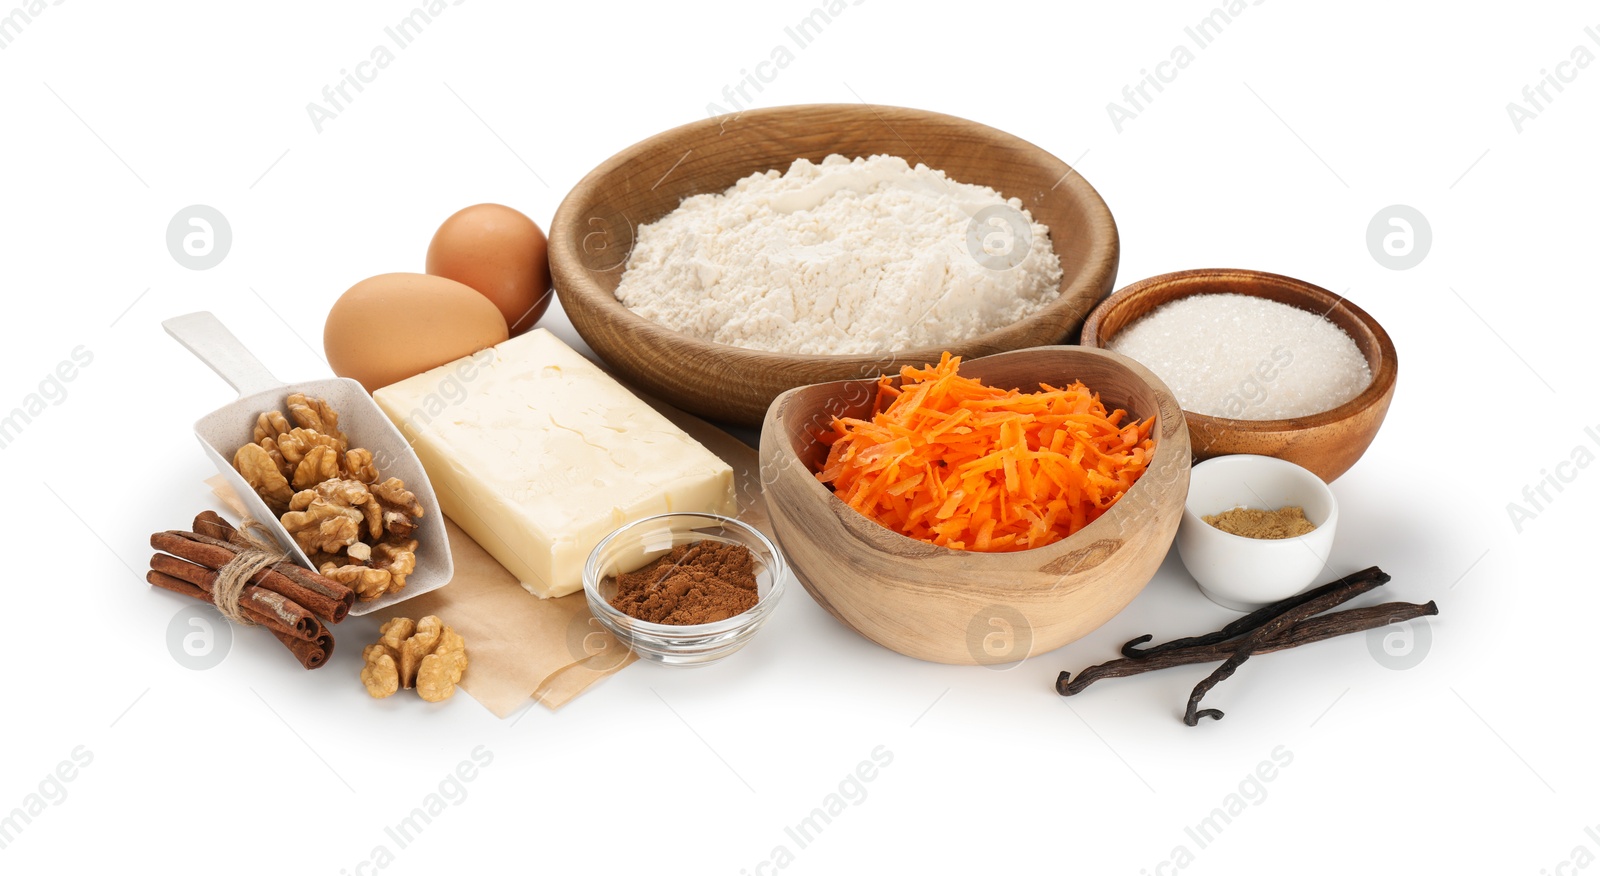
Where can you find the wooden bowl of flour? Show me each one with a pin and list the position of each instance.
(594, 230)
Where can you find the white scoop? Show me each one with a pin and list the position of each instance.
(224, 431)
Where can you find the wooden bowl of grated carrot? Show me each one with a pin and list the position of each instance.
(980, 511)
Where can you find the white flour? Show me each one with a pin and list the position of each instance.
(842, 257)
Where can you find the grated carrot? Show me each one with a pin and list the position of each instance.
(952, 461)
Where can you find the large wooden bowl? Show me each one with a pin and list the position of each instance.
(593, 233)
(966, 607)
(1327, 443)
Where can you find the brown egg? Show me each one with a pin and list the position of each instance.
(502, 254)
(392, 326)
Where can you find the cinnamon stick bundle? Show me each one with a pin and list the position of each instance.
(211, 525)
(311, 654)
(301, 577)
(214, 554)
(256, 601)
(288, 601)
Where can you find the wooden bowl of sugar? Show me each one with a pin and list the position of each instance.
(593, 235)
(1329, 438)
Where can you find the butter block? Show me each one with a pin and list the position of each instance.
(538, 454)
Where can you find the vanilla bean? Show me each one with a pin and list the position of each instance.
(1286, 618)
(1315, 629)
(1254, 619)
(1288, 623)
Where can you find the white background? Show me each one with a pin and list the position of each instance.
(1272, 150)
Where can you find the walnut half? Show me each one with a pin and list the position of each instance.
(424, 654)
(438, 673)
(367, 582)
(379, 672)
(310, 412)
(261, 472)
(328, 517)
(399, 560)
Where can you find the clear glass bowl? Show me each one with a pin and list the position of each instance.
(636, 544)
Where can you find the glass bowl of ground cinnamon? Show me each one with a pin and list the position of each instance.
(1255, 529)
(684, 589)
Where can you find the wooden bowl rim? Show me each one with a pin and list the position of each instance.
(1384, 373)
(566, 256)
(1168, 451)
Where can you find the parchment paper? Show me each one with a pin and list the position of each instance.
(520, 646)
(551, 650)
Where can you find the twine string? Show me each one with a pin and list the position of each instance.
(257, 552)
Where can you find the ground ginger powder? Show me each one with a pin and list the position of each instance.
(1286, 522)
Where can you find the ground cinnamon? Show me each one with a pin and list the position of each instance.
(697, 583)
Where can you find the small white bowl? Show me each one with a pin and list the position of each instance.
(1246, 573)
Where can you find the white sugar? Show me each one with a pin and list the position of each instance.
(1246, 358)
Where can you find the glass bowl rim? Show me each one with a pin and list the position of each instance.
(635, 628)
